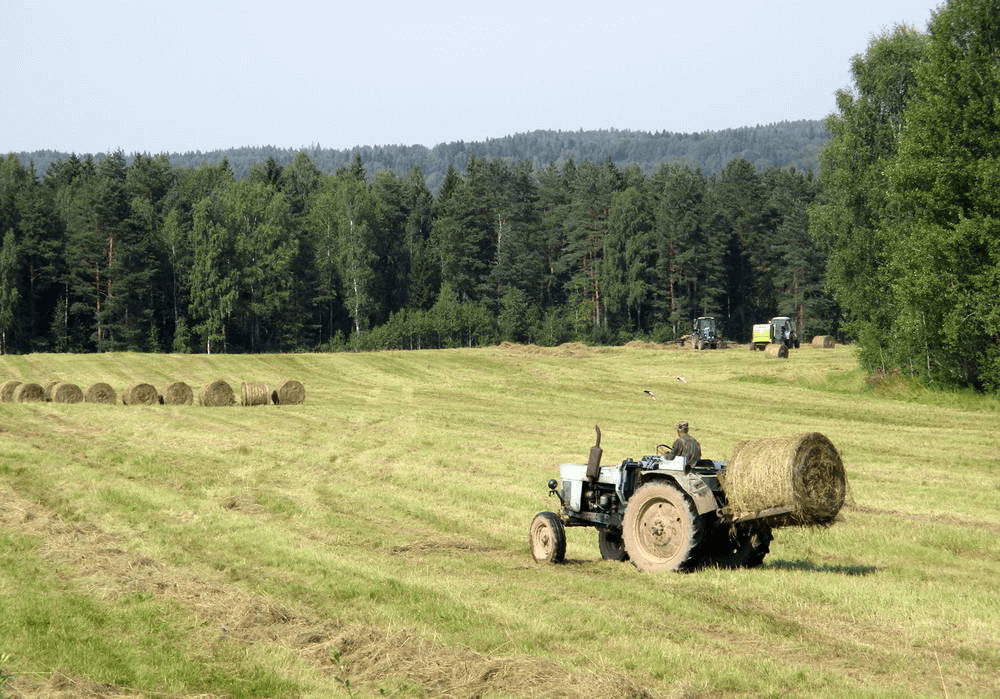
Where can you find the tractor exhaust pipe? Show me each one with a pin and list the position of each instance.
(594, 462)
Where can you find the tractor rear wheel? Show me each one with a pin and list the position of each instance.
(661, 529)
(746, 547)
(547, 538)
(611, 545)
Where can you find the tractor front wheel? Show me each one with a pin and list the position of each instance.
(547, 538)
(661, 529)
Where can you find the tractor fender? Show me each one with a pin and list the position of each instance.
(692, 486)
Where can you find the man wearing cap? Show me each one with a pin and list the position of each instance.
(685, 445)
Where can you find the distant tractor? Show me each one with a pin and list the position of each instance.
(780, 330)
(664, 513)
(704, 334)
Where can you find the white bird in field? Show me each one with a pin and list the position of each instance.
(682, 379)
(650, 394)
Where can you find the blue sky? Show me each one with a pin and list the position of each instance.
(182, 75)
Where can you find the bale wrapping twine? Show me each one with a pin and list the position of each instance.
(7, 390)
(64, 392)
(255, 393)
(289, 392)
(216, 394)
(803, 472)
(29, 393)
(140, 394)
(776, 350)
(101, 393)
(178, 393)
(824, 341)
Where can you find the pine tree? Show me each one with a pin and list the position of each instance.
(9, 294)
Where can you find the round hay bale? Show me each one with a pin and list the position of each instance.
(776, 350)
(803, 472)
(48, 389)
(216, 394)
(29, 393)
(7, 389)
(64, 392)
(289, 392)
(255, 393)
(140, 394)
(101, 393)
(177, 393)
(824, 341)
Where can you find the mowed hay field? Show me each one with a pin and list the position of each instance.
(373, 540)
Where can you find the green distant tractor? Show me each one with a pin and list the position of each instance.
(779, 330)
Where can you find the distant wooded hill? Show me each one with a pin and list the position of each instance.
(784, 144)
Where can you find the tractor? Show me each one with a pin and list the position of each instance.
(779, 330)
(704, 334)
(662, 513)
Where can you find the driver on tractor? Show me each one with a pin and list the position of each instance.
(684, 445)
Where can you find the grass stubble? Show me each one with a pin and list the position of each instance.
(373, 539)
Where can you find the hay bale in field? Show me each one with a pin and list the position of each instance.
(255, 393)
(177, 393)
(824, 341)
(216, 394)
(48, 389)
(140, 394)
(803, 472)
(776, 350)
(289, 392)
(101, 393)
(29, 393)
(65, 392)
(7, 389)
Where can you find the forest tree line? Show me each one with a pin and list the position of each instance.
(909, 213)
(783, 144)
(146, 256)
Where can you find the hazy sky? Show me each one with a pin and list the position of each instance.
(96, 75)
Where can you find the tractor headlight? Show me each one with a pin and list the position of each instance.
(553, 484)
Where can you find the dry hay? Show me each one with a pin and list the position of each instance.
(644, 344)
(7, 389)
(217, 394)
(776, 350)
(255, 393)
(140, 394)
(48, 389)
(28, 393)
(824, 341)
(370, 656)
(289, 392)
(101, 393)
(178, 393)
(65, 392)
(803, 472)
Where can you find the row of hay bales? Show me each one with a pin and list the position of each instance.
(777, 350)
(217, 393)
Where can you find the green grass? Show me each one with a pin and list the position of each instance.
(374, 540)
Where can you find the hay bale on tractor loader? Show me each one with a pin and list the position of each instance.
(667, 514)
